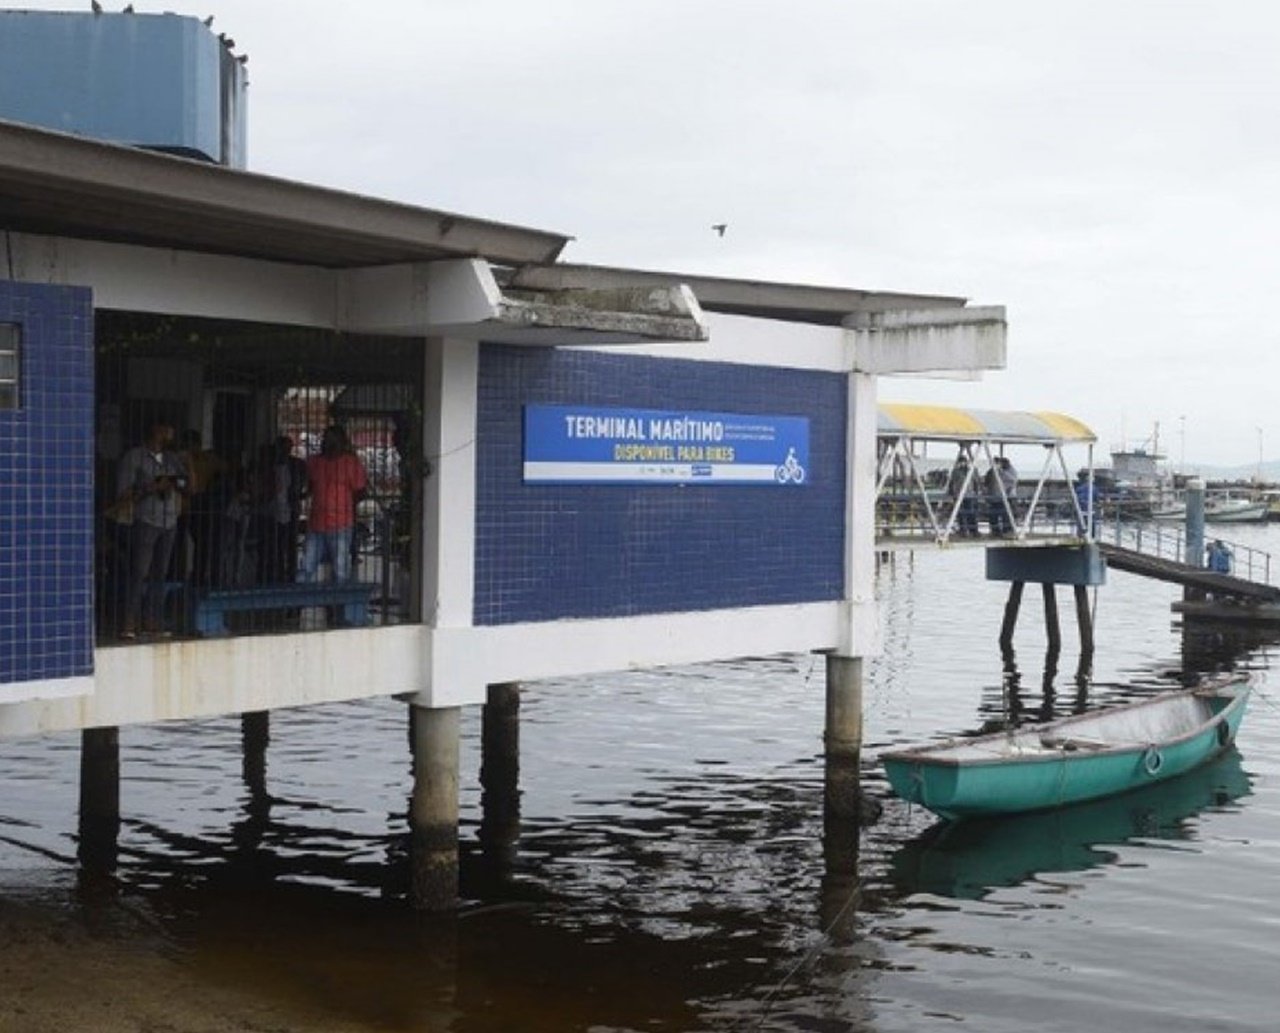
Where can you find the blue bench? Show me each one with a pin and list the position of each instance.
(210, 609)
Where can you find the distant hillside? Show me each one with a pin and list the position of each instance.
(1245, 472)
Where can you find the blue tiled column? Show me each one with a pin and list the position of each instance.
(46, 488)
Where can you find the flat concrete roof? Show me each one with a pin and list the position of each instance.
(794, 302)
(62, 185)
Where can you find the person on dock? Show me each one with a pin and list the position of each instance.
(1001, 486)
(1087, 503)
(336, 481)
(1218, 557)
(960, 489)
(153, 479)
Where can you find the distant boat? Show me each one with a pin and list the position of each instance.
(1078, 758)
(1236, 511)
(1222, 509)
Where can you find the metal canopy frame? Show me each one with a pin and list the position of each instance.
(980, 435)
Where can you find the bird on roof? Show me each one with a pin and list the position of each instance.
(208, 22)
(95, 6)
(243, 58)
(720, 227)
(128, 8)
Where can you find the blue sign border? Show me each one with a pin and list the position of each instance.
(585, 444)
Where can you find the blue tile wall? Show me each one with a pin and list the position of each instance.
(545, 552)
(46, 488)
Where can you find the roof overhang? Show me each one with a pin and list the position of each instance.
(61, 185)
(464, 299)
(790, 302)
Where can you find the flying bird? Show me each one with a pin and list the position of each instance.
(720, 227)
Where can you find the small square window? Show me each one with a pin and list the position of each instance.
(10, 365)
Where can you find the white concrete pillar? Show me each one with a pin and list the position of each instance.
(860, 630)
(433, 811)
(449, 491)
(843, 737)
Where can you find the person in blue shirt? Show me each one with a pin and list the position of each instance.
(1218, 557)
(1087, 500)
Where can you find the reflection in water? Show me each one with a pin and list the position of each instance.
(673, 870)
(969, 859)
(1009, 709)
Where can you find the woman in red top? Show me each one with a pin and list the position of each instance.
(337, 481)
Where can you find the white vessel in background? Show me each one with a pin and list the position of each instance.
(1220, 509)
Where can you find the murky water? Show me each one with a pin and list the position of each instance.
(670, 870)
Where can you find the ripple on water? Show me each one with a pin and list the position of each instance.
(671, 871)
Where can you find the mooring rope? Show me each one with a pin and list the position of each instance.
(805, 958)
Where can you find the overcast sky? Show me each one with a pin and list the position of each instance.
(1107, 171)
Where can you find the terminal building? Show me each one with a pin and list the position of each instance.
(570, 469)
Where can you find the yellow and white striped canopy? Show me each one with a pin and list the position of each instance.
(944, 423)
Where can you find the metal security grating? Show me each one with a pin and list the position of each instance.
(10, 366)
(253, 479)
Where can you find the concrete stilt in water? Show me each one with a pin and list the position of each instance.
(1011, 607)
(433, 812)
(843, 738)
(841, 886)
(99, 797)
(500, 777)
(255, 736)
(1052, 630)
(1084, 619)
(843, 804)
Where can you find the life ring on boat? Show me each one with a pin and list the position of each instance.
(1224, 734)
(1152, 761)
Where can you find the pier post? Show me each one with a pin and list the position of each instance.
(1011, 607)
(99, 797)
(1052, 630)
(500, 776)
(1084, 619)
(843, 737)
(842, 811)
(1195, 523)
(255, 736)
(1194, 556)
(433, 811)
(840, 890)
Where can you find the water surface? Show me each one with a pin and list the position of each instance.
(670, 872)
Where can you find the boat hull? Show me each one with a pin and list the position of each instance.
(1251, 513)
(1048, 777)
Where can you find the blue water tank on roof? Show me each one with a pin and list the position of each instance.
(159, 81)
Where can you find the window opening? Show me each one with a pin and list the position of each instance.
(10, 365)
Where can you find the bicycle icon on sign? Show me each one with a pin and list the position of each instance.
(790, 472)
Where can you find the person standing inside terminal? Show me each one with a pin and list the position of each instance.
(337, 481)
(152, 479)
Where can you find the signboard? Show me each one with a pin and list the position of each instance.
(567, 444)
